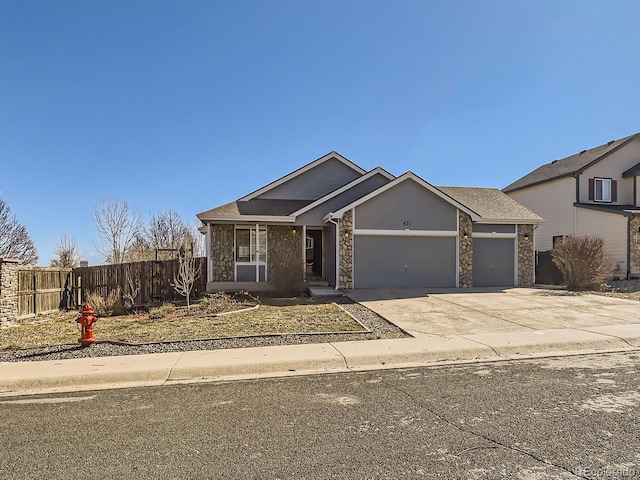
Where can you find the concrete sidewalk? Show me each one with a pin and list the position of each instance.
(21, 378)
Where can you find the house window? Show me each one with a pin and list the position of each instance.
(251, 245)
(602, 189)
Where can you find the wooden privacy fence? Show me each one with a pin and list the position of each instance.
(43, 290)
(153, 278)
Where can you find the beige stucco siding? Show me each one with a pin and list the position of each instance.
(612, 167)
(609, 227)
(553, 201)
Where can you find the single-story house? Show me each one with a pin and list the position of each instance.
(591, 193)
(350, 228)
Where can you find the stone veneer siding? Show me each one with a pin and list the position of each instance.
(346, 251)
(634, 240)
(8, 290)
(284, 254)
(465, 250)
(525, 256)
(222, 254)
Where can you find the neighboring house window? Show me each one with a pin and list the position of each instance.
(602, 190)
(557, 239)
(251, 245)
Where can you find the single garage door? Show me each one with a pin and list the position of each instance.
(404, 262)
(493, 262)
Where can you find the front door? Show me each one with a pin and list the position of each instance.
(313, 254)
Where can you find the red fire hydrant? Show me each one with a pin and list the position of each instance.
(86, 322)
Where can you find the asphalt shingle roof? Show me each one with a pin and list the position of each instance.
(566, 166)
(257, 206)
(491, 203)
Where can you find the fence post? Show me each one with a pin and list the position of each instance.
(8, 290)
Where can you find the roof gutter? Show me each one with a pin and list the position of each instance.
(247, 218)
(511, 221)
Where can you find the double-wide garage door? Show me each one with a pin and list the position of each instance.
(381, 261)
(390, 261)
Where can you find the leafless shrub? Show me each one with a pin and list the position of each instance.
(163, 311)
(131, 290)
(183, 280)
(106, 306)
(221, 302)
(583, 262)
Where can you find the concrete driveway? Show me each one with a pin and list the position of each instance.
(423, 312)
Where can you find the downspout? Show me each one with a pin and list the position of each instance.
(629, 246)
(575, 208)
(535, 252)
(337, 286)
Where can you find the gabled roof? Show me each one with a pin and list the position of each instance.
(570, 165)
(261, 207)
(393, 183)
(344, 188)
(302, 170)
(492, 205)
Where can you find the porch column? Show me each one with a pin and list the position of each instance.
(208, 253)
(304, 252)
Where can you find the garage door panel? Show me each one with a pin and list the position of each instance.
(404, 262)
(493, 262)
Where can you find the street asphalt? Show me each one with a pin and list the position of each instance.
(571, 417)
(448, 326)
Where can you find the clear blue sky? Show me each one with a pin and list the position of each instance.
(186, 105)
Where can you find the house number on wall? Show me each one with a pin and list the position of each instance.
(406, 223)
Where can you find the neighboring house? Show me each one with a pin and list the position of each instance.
(594, 192)
(351, 228)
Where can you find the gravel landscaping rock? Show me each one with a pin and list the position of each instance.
(378, 326)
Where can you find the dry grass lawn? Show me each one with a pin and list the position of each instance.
(280, 317)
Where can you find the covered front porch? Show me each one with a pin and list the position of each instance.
(266, 257)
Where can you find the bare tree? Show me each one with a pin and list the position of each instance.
(165, 234)
(184, 279)
(67, 253)
(118, 226)
(15, 241)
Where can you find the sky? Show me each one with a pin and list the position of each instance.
(187, 105)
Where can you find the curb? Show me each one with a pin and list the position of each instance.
(56, 376)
